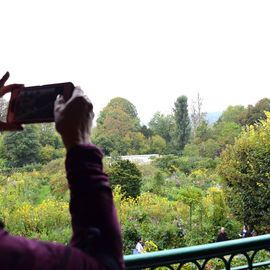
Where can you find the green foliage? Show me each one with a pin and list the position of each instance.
(185, 164)
(55, 175)
(164, 126)
(154, 184)
(209, 149)
(175, 201)
(254, 114)
(226, 132)
(147, 132)
(157, 145)
(203, 132)
(183, 128)
(245, 169)
(118, 129)
(48, 153)
(136, 143)
(109, 143)
(150, 246)
(23, 147)
(191, 196)
(151, 217)
(233, 114)
(217, 209)
(49, 136)
(127, 175)
(191, 149)
(29, 208)
(47, 221)
(117, 104)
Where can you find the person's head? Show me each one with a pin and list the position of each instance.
(222, 230)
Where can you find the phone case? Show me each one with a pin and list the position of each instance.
(35, 104)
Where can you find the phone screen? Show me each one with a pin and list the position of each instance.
(34, 103)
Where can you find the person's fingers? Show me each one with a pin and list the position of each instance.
(78, 98)
(4, 79)
(59, 103)
(9, 88)
(15, 127)
(10, 126)
(92, 115)
(77, 91)
(59, 100)
(88, 100)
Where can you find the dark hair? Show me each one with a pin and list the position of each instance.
(2, 225)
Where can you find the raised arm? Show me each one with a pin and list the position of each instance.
(95, 226)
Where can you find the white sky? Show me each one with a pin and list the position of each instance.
(149, 52)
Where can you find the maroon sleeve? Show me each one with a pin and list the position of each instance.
(19, 253)
(91, 202)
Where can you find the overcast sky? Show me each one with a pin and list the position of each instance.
(149, 52)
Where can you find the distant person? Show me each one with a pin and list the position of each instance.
(222, 236)
(249, 232)
(139, 245)
(243, 231)
(254, 233)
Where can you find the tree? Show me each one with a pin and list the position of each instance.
(116, 125)
(197, 115)
(136, 143)
(163, 125)
(182, 121)
(109, 143)
(255, 113)
(23, 147)
(191, 149)
(226, 133)
(127, 175)
(190, 196)
(217, 210)
(49, 136)
(156, 183)
(244, 167)
(119, 104)
(203, 132)
(157, 144)
(217, 214)
(209, 148)
(233, 114)
(147, 132)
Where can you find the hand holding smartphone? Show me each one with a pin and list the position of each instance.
(35, 104)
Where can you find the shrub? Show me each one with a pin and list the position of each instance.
(127, 175)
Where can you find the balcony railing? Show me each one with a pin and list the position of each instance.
(222, 255)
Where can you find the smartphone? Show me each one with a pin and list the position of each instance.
(35, 104)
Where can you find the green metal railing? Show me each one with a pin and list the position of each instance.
(201, 257)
